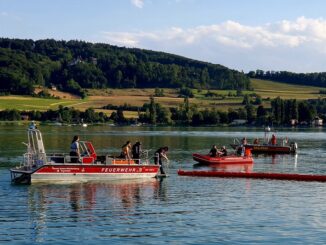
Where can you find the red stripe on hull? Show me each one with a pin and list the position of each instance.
(96, 169)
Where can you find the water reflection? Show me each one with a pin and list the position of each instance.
(245, 168)
(88, 202)
(83, 196)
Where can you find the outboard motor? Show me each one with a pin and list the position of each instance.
(293, 146)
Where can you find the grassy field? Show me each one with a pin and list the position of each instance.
(137, 97)
(32, 103)
(285, 91)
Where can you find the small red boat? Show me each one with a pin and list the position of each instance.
(231, 159)
(37, 166)
(268, 145)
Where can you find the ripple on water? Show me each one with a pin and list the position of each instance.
(178, 210)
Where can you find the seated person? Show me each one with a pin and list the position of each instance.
(256, 141)
(223, 152)
(239, 150)
(213, 151)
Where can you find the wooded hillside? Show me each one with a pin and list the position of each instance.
(73, 65)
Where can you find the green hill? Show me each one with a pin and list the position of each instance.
(75, 65)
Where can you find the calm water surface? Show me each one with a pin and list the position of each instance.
(174, 210)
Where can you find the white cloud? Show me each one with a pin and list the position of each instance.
(138, 3)
(281, 42)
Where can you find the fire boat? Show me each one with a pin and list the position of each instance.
(37, 166)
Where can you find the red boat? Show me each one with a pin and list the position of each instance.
(268, 148)
(268, 145)
(37, 166)
(231, 159)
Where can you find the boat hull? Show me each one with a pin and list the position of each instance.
(267, 149)
(208, 160)
(78, 172)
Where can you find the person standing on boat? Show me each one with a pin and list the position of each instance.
(273, 139)
(126, 151)
(74, 149)
(159, 154)
(213, 151)
(136, 150)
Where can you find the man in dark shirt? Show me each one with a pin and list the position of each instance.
(213, 152)
(159, 154)
(136, 150)
(223, 152)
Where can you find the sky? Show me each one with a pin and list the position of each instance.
(246, 35)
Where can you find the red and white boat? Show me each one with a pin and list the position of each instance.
(266, 146)
(231, 159)
(37, 166)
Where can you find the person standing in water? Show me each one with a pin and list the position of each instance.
(159, 154)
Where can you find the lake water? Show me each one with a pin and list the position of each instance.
(173, 210)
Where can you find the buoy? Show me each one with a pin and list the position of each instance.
(277, 176)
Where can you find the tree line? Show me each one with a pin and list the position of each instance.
(75, 65)
(311, 79)
(153, 113)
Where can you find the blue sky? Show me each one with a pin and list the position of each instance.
(240, 34)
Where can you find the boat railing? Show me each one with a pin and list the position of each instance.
(122, 161)
(142, 160)
(236, 141)
(31, 160)
(64, 158)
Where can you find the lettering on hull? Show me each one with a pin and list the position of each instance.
(48, 169)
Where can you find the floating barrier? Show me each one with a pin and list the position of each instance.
(276, 176)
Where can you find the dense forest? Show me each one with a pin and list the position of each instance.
(311, 79)
(74, 65)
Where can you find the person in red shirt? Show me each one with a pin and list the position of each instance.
(273, 140)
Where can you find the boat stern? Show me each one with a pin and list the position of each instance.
(20, 176)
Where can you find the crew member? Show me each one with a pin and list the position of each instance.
(159, 154)
(244, 141)
(136, 150)
(213, 151)
(273, 139)
(126, 151)
(74, 149)
(223, 152)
